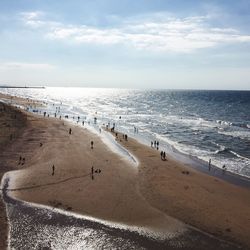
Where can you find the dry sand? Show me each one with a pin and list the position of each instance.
(206, 202)
(144, 196)
(112, 195)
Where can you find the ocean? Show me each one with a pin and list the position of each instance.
(199, 124)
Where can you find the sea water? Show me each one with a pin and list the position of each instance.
(202, 124)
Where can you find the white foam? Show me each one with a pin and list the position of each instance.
(236, 134)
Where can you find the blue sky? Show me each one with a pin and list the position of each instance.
(172, 44)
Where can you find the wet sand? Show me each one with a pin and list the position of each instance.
(145, 196)
(12, 123)
(36, 227)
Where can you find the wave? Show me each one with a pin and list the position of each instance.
(234, 124)
(238, 155)
(237, 134)
(241, 125)
(229, 151)
(225, 123)
(222, 151)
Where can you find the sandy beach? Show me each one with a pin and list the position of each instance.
(159, 195)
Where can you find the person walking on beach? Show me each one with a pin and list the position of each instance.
(92, 144)
(161, 154)
(92, 173)
(224, 169)
(209, 165)
(70, 131)
(164, 156)
(53, 170)
(20, 160)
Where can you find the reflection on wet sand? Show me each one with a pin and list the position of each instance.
(34, 227)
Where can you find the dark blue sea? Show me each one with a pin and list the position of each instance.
(203, 124)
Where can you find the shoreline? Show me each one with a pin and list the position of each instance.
(202, 166)
(186, 159)
(150, 167)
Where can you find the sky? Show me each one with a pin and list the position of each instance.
(145, 44)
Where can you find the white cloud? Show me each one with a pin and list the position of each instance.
(25, 66)
(33, 19)
(160, 34)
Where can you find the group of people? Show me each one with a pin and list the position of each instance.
(21, 160)
(125, 136)
(93, 171)
(136, 130)
(155, 144)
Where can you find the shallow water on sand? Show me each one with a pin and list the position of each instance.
(34, 227)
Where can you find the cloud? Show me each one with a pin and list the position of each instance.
(183, 35)
(25, 66)
(33, 18)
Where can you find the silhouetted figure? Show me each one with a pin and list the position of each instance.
(152, 144)
(23, 161)
(83, 123)
(53, 170)
(224, 169)
(157, 144)
(164, 156)
(44, 114)
(92, 144)
(161, 154)
(20, 160)
(41, 144)
(209, 164)
(70, 131)
(92, 173)
(126, 137)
